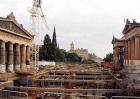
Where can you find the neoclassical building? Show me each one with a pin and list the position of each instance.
(15, 44)
(127, 49)
(127, 54)
(80, 52)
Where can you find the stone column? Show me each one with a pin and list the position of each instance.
(23, 57)
(2, 57)
(10, 57)
(133, 49)
(126, 52)
(129, 51)
(117, 55)
(17, 57)
(28, 56)
(137, 48)
(114, 55)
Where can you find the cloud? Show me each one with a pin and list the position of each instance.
(89, 23)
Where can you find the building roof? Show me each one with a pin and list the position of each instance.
(19, 29)
(129, 26)
(117, 40)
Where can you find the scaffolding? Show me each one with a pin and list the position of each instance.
(36, 13)
(7, 94)
(38, 89)
(75, 96)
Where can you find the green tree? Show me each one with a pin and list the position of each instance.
(47, 48)
(54, 42)
(60, 55)
(41, 53)
(73, 57)
(45, 51)
(53, 52)
(108, 58)
(50, 52)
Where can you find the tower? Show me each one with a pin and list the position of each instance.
(72, 46)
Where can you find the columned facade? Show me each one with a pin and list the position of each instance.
(18, 57)
(131, 50)
(15, 44)
(131, 66)
(119, 52)
(131, 43)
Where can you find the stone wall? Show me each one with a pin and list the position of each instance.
(131, 81)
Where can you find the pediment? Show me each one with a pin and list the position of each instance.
(13, 26)
(127, 28)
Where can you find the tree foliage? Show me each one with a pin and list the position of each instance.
(108, 58)
(73, 57)
(90, 61)
(50, 52)
(45, 51)
(54, 42)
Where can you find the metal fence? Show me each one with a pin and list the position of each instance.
(124, 97)
(7, 94)
(47, 95)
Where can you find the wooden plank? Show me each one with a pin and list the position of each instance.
(4, 84)
(77, 71)
(73, 81)
(81, 76)
(38, 89)
(118, 81)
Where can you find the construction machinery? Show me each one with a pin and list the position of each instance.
(36, 13)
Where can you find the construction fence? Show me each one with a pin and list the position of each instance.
(51, 95)
(7, 94)
(47, 95)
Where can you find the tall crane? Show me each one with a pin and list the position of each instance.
(36, 13)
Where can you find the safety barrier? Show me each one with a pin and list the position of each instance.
(7, 94)
(124, 97)
(46, 95)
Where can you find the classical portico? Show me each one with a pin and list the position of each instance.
(118, 51)
(15, 44)
(129, 45)
(130, 42)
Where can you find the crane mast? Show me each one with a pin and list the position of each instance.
(35, 31)
(36, 13)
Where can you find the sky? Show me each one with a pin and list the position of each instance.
(90, 24)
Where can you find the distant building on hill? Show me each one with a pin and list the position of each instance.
(80, 52)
